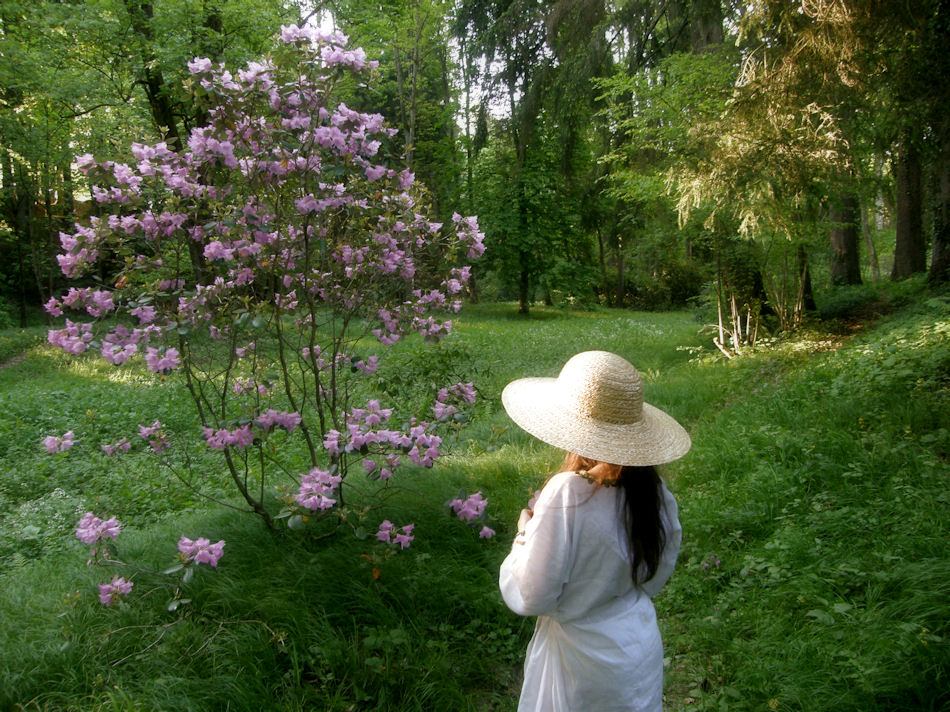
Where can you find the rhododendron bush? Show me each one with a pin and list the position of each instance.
(267, 265)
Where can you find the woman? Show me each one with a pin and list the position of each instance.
(601, 540)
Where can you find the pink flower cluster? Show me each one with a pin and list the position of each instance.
(162, 363)
(388, 534)
(155, 436)
(74, 338)
(54, 443)
(201, 550)
(271, 418)
(246, 385)
(79, 249)
(91, 529)
(469, 509)
(119, 345)
(420, 445)
(109, 592)
(97, 303)
(315, 489)
(461, 392)
(241, 437)
(122, 445)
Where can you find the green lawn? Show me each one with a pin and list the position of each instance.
(815, 572)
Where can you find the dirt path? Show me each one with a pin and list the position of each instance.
(13, 361)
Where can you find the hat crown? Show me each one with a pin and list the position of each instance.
(602, 386)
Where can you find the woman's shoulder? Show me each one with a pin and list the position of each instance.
(566, 487)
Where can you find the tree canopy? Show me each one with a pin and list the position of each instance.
(619, 153)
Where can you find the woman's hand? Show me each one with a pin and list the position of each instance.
(524, 518)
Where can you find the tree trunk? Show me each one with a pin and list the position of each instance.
(602, 259)
(940, 263)
(156, 89)
(524, 283)
(808, 294)
(845, 262)
(910, 249)
(621, 287)
(869, 245)
(705, 24)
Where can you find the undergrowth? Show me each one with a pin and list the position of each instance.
(814, 573)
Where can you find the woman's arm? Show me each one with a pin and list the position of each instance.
(534, 573)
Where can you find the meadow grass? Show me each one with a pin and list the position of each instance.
(814, 573)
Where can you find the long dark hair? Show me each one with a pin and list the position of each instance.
(643, 500)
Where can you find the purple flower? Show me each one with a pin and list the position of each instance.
(109, 592)
(215, 250)
(486, 533)
(332, 442)
(389, 535)
(470, 508)
(162, 364)
(239, 438)
(156, 438)
(385, 531)
(315, 489)
(91, 529)
(271, 418)
(375, 172)
(84, 162)
(74, 338)
(53, 307)
(54, 444)
(201, 550)
(121, 445)
(404, 538)
(101, 303)
(443, 411)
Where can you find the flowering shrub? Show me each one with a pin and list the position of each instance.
(259, 261)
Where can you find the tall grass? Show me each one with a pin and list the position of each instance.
(814, 573)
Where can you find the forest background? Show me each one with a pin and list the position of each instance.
(641, 154)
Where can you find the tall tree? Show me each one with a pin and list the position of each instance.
(509, 38)
(845, 216)
(418, 90)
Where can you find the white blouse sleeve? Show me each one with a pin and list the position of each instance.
(534, 573)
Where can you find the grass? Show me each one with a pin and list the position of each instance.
(814, 573)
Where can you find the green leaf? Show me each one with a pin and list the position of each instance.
(821, 616)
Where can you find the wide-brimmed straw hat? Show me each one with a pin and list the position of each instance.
(595, 409)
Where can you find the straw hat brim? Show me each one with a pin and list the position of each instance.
(656, 439)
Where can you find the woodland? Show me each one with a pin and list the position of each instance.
(272, 366)
(740, 157)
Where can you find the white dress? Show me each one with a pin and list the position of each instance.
(596, 646)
